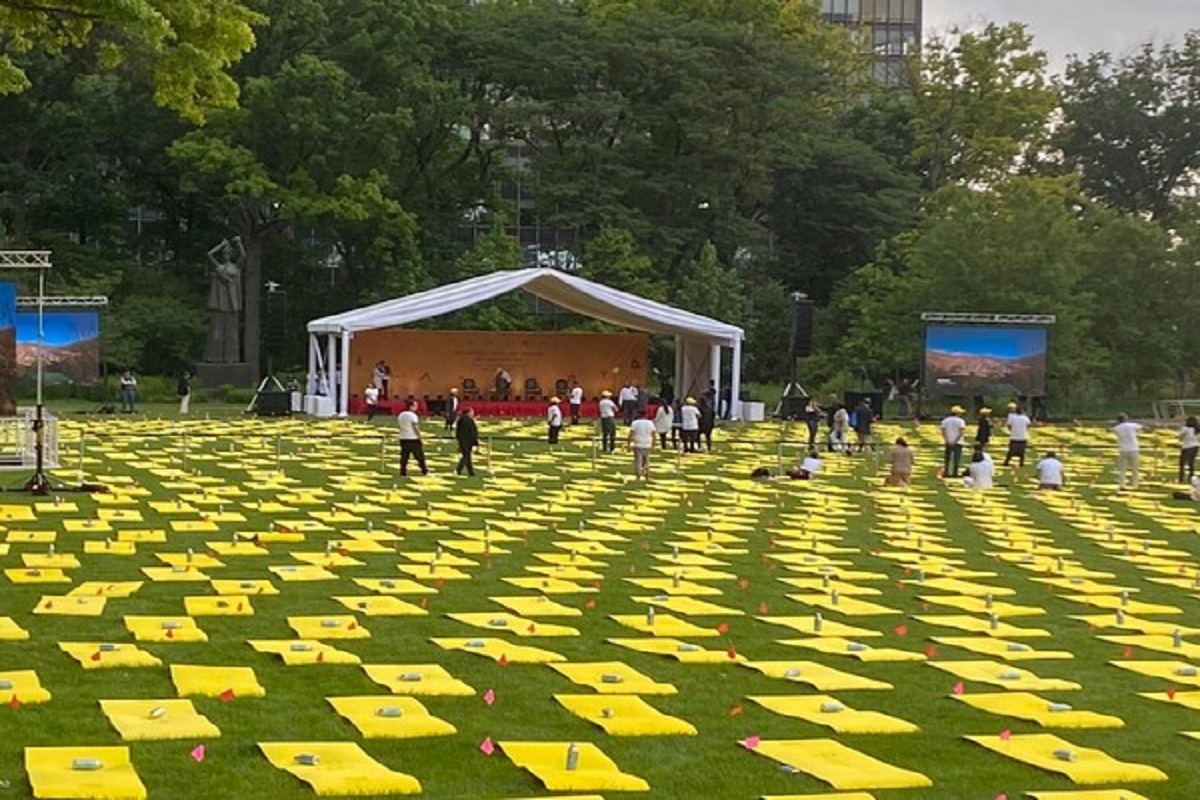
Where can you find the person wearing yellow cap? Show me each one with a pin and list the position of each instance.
(1018, 434)
(554, 418)
(983, 429)
(953, 428)
(608, 422)
(451, 410)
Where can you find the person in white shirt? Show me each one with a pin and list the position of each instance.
(980, 472)
(554, 419)
(371, 398)
(627, 398)
(1050, 473)
(641, 439)
(608, 422)
(575, 398)
(954, 429)
(840, 430)
(410, 438)
(689, 419)
(1018, 423)
(664, 422)
(1189, 443)
(809, 467)
(1127, 451)
(128, 391)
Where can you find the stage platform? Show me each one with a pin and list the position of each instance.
(483, 408)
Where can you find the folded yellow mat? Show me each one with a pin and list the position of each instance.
(663, 625)
(24, 685)
(337, 768)
(164, 629)
(220, 606)
(103, 655)
(624, 715)
(10, 631)
(850, 606)
(1179, 672)
(302, 574)
(297, 652)
(966, 622)
(327, 560)
(681, 651)
(381, 606)
(811, 626)
(826, 796)
(174, 574)
(244, 587)
(1185, 699)
(689, 606)
(821, 709)
(818, 676)
(1048, 714)
(1157, 643)
(138, 720)
(1129, 622)
(71, 606)
(1081, 765)
(417, 679)
(680, 588)
(840, 766)
(36, 575)
(394, 586)
(567, 573)
(109, 775)
(334, 626)
(1113, 602)
(551, 585)
(536, 606)
(434, 572)
(203, 681)
(612, 677)
(1005, 675)
(957, 586)
(593, 770)
(835, 646)
(1009, 651)
(981, 605)
(390, 717)
(1086, 794)
(497, 649)
(103, 589)
(503, 622)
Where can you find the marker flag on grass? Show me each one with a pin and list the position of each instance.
(227, 696)
(959, 688)
(489, 696)
(751, 742)
(487, 747)
(198, 753)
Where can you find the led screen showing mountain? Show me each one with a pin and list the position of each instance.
(70, 347)
(985, 360)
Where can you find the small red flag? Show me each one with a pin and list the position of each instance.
(227, 696)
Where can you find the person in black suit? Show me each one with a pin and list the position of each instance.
(466, 432)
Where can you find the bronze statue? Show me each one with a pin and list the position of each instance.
(225, 302)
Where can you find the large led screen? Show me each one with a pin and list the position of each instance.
(70, 350)
(989, 360)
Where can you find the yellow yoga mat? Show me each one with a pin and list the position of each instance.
(850, 606)
(295, 652)
(337, 768)
(554, 585)
(674, 587)
(497, 649)
(1048, 714)
(394, 586)
(957, 586)
(612, 677)
(840, 766)
(1001, 648)
(1081, 765)
(328, 560)
(1113, 602)
(104, 655)
(1005, 675)
(174, 574)
(826, 796)
(821, 709)
(689, 606)
(71, 606)
(390, 717)
(244, 587)
(1086, 794)
(1185, 699)
(334, 626)
(24, 685)
(1128, 622)
(381, 606)
(848, 647)
(536, 606)
(417, 679)
(981, 605)
(1157, 643)
(110, 775)
(35, 575)
(220, 606)
(812, 626)
(1180, 672)
(503, 622)
(592, 770)
(684, 652)
(302, 574)
(203, 681)
(664, 625)
(624, 715)
(966, 622)
(138, 720)
(164, 629)
(818, 676)
(102, 589)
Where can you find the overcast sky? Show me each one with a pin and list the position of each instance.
(1065, 27)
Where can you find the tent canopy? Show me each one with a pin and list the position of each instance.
(567, 291)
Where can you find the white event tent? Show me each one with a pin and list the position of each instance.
(698, 339)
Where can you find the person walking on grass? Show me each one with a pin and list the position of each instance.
(466, 433)
(983, 429)
(1189, 443)
(451, 410)
(608, 422)
(664, 422)
(554, 420)
(641, 441)
(689, 431)
(575, 398)
(410, 438)
(1127, 451)
(371, 398)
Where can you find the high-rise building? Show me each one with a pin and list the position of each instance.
(889, 30)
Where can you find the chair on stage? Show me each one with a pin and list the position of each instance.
(533, 391)
(562, 388)
(470, 389)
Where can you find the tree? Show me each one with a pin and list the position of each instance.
(710, 289)
(612, 258)
(184, 46)
(1131, 127)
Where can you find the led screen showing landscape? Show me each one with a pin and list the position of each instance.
(71, 348)
(989, 360)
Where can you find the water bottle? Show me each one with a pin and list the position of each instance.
(572, 757)
(650, 616)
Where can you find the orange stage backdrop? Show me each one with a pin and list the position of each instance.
(428, 363)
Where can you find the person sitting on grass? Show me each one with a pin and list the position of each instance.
(1050, 473)
(808, 468)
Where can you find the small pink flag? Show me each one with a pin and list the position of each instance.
(1005, 735)
(1001, 797)
(901, 630)
(959, 688)
(489, 696)
(487, 747)
(751, 742)
(744, 583)
(723, 628)
(198, 753)
(1127, 652)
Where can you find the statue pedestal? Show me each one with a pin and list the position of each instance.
(211, 376)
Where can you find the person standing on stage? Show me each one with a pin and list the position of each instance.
(466, 432)
(371, 398)
(451, 413)
(689, 417)
(554, 418)
(1127, 452)
(627, 399)
(608, 422)
(1018, 434)
(410, 438)
(953, 429)
(664, 422)
(641, 440)
(575, 397)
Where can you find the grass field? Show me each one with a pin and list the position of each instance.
(1046, 571)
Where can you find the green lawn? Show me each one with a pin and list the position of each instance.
(537, 507)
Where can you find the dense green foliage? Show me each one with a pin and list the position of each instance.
(716, 155)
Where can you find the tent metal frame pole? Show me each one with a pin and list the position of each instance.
(343, 374)
(735, 381)
(330, 365)
(311, 375)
